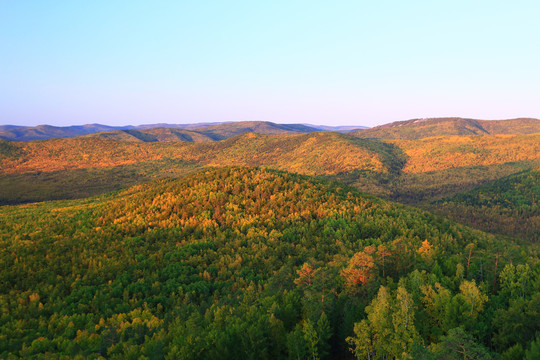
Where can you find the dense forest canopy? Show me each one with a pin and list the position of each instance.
(253, 263)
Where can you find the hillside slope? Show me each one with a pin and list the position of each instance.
(423, 128)
(510, 205)
(314, 153)
(154, 135)
(227, 130)
(233, 262)
(446, 152)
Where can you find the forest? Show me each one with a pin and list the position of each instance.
(253, 263)
(290, 246)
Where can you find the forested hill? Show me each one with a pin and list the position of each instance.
(251, 263)
(415, 172)
(154, 135)
(313, 153)
(423, 128)
(510, 205)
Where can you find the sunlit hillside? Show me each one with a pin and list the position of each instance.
(317, 153)
(422, 128)
(445, 152)
(415, 172)
(155, 134)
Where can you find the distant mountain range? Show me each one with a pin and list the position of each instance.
(199, 132)
(205, 132)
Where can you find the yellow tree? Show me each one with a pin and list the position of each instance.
(305, 275)
(359, 270)
(426, 250)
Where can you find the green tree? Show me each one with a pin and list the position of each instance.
(312, 339)
(296, 344)
(459, 345)
(362, 343)
(324, 332)
(405, 333)
(380, 320)
(533, 352)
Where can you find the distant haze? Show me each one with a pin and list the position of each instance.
(343, 63)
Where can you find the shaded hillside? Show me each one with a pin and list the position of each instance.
(510, 205)
(419, 189)
(233, 262)
(422, 128)
(85, 182)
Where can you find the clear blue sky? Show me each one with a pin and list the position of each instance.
(322, 62)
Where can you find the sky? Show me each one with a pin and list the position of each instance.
(320, 62)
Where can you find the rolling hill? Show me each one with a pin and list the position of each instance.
(43, 132)
(154, 135)
(153, 132)
(415, 172)
(227, 130)
(313, 153)
(241, 261)
(423, 128)
(203, 134)
(80, 167)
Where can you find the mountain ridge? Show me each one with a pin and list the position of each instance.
(428, 127)
(184, 132)
(213, 131)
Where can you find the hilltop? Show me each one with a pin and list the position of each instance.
(423, 128)
(227, 130)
